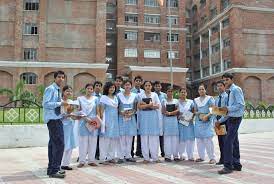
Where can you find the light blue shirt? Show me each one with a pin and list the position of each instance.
(50, 102)
(135, 90)
(236, 103)
(120, 90)
(162, 96)
(97, 94)
(223, 104)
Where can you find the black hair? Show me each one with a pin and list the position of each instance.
(147, 82)
(138, 77)
(66, 87)
(59, 72)
(227, 75)
(157, 83)
(97, 82)
(220, 82)
(202, 84)
(182, 88)
(169, 88)
(127, 81)
(88, 84)
(107, 86)
(119, 77)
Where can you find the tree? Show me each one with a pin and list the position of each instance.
(18, 93)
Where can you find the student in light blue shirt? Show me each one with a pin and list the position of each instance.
(118, 84)
(235, 108)
(52, 116)
(138, 82)
(221, 101)
(162, 96)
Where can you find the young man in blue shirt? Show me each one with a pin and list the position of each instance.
(52, 117)
(235, 111)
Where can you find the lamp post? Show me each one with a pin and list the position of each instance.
(170, 54)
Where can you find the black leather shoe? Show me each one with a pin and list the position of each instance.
(237, 169)
(168, 160)
(62, 171)
(66, 168)
(57, 175)
(225, 171)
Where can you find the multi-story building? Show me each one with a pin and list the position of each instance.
(233, 36)
(144, 43)
(38, 37)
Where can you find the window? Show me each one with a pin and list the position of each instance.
(111, 25)
(131, 35)
(194, 10)
(131, 2)
(227, 64)
(205, 53)
(130, 52)
(188, 44)
(226, 42)
(197, 41)
(213, 12)
(205, 71)
(203, 19)
(215, 29)
(29, 78)
(31, 5)
(109, 59)
(188, 13)
(154, 37)
(131, 18)
(30, 54)
(173, 54)
(152, 19)
(216, 68)
(225, 23)
(152, 54)
(188, 60)
(30, 29)
(197, 56)
(188, 28)
(173, 38)
(197, 75)
(215, 48)
(202, 3)
(173, 20)
(172, 3)
(152, 3)
(195, 27)
(225, 4)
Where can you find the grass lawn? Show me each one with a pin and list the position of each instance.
(21, 116)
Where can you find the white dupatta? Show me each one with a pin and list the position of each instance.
(125, 100)
(156, 101)
(107, 101)
(200, 103)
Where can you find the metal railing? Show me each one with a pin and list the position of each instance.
(21, 112)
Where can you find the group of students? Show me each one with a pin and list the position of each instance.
(154, 117)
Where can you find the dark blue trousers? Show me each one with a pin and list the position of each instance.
(55, 146)
(231, 147)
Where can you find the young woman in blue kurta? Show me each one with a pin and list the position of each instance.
(170, 124)
(204, 129)
(89, 107)
(69, 126)
(127, 121)
(110, 126)
(186, 127)
(149, 122)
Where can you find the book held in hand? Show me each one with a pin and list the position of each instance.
(170, 107)
(147, 100)
(220, 111)
(93, 123)
(221, 130)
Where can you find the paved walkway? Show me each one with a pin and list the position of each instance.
(28, 166)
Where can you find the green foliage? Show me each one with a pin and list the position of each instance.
(262, 105)
(248, 105)
(176, 94)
